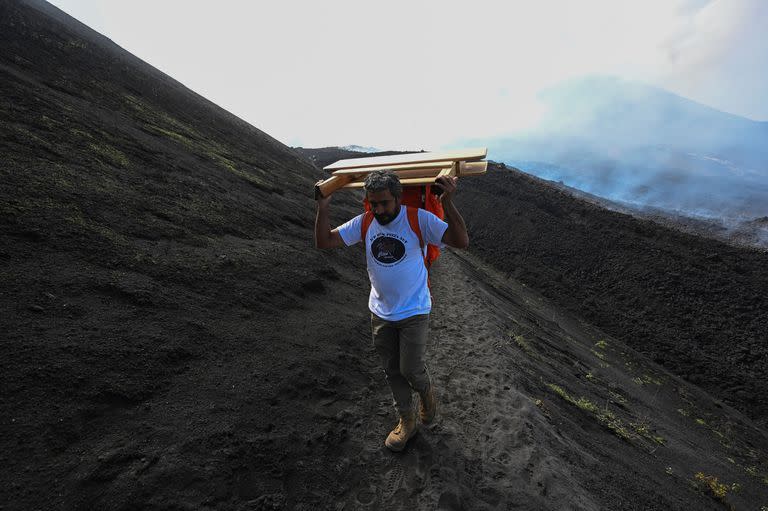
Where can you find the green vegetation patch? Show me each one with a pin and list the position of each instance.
(160, 123)
(109, 153)
(80, 133)
(643, 429)
(25, 133)
(756, 473)
(607, 418)
(524, 345)
(49, 123)
(603, 415)
(598, 354)
(646, 379)
(618, 397)
(559, 391)
(722, 438)
(76, 218)
(154, 116)
(711, 485)
(76, 43)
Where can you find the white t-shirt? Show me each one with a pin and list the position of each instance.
(396, 262)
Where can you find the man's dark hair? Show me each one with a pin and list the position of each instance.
(380, 180)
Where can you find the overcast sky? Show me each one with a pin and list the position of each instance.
(412, 75)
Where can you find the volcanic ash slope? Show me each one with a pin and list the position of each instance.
(172, 340)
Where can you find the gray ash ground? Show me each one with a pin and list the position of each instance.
(695, 305)
(171, 340)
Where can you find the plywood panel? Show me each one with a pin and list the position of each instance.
(394, 167)
(399, 159)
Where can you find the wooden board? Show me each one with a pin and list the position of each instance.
(330, 185)
(419, 169)
(405, 182)
(473, 168)
(402, 166)
(400, 159)
(477, 168)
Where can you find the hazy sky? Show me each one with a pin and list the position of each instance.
(413, 74)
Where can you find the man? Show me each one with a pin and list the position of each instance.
(400, 301)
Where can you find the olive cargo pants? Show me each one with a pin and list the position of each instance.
(402, 347)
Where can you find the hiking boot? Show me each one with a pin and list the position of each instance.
(427, 405)
(403, 432)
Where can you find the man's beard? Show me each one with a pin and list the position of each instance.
(384, 219)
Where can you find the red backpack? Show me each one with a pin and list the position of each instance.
(413, 198)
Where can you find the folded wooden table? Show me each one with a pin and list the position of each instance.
(413, 169)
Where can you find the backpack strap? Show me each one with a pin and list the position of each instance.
(367, 219)
(413, 220)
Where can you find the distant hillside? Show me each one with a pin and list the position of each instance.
(608, 113)
(361, 149)
(642, 145)
(744, 232)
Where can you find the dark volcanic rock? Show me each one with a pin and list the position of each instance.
(177, 242)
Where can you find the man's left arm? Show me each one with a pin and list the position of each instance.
(456, 234)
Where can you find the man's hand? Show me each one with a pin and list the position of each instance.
(456, 233)
(448, 187)
(322, 202)
(324, 236)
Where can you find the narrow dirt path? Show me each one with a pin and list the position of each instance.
(482, 452)
(538, 410)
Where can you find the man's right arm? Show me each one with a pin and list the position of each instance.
(324, 236)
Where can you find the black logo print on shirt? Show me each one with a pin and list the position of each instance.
(387, 249)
